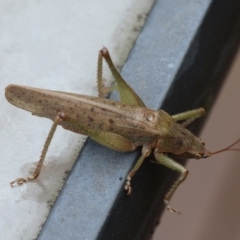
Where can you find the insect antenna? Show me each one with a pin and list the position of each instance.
(229, 148)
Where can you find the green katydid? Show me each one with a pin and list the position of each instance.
(122, 126)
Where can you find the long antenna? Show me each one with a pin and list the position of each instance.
(228, 148)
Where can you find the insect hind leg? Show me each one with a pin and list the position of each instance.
(37, 170)
(127, 94)
(103, 91)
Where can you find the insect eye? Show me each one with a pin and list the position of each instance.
(203, 143)
(197, 156)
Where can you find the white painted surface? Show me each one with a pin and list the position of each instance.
(53, 45)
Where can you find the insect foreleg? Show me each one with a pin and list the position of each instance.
(189, 116)
(37, 171)
(170, 163)
(146, 150)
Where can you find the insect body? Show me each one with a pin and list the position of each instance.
(122, 126)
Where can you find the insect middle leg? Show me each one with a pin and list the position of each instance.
(113, 141)
(146, 150)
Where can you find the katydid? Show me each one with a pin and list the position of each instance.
(121, 126)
